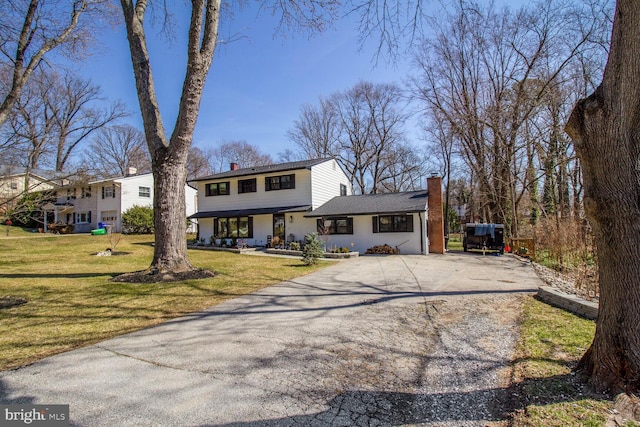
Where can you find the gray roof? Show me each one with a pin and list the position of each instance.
(372, 204)
(247, 212)
(255, 170)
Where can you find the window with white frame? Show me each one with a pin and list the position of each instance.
(108, 191)
(144, 191)
(83, 217)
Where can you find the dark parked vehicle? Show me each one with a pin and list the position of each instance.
(488, 237)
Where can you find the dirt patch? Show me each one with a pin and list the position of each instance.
(152, 276)
(9, 301)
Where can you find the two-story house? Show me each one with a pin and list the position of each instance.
(284, 202)
(103, 201)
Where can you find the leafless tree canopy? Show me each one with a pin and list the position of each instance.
(502, 83)
(53, 116)
(30, 29)
(363, 128)
(116, 149)
(240, 152)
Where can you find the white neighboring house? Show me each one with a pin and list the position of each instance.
(289, 200)
(104, 201)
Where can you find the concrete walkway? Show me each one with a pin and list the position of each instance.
(347, 345)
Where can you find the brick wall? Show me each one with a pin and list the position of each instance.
(435, 220)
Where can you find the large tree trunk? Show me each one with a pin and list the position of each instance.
(606, 131)
(170, 218)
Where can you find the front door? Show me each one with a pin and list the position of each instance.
(278, 228)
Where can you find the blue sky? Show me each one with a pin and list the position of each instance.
(257, 83)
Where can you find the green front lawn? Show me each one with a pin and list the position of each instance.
(71, 301)
(552, 341)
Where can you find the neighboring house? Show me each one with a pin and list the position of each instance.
(86, 205)
(290, 200)
(14, 186)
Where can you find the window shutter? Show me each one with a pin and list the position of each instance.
(410, 223)
(89, 216)
(375, 223)
(103, 191)
(267, 187)
(215, 227)
(114, 191)
(251, 227)
(293, 181)
(349, 225)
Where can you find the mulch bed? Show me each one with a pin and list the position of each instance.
(153, 276)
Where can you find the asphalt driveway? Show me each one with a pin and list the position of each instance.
(376, 340)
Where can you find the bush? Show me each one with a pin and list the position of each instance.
(313, 249)
(138, 220)
(294, 246)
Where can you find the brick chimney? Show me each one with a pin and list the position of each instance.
(435, 220)
(234, 166)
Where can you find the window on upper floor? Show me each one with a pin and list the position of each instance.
(337, 225)
(247, 186)
(217, 189)
(144, 191)
(14, 185)
(71, 193)
(343, 190)
(282, 182)
(109, 191)
(85, 192)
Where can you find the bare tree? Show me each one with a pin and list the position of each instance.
(363, 128)
(72, 103)
(56, 114)
(169, 155)
(316, 131)
(239, 152)
(116, 149)
(29, 30)
(199, 163)
(30, 128)
(488, 73)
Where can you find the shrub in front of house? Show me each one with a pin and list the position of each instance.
(138, 220)
(294, 246)
(313, 249)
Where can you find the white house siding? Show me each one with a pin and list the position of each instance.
(326, 180)
(205, 228)
(130, 191)
(301, 195)
(364, 238)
